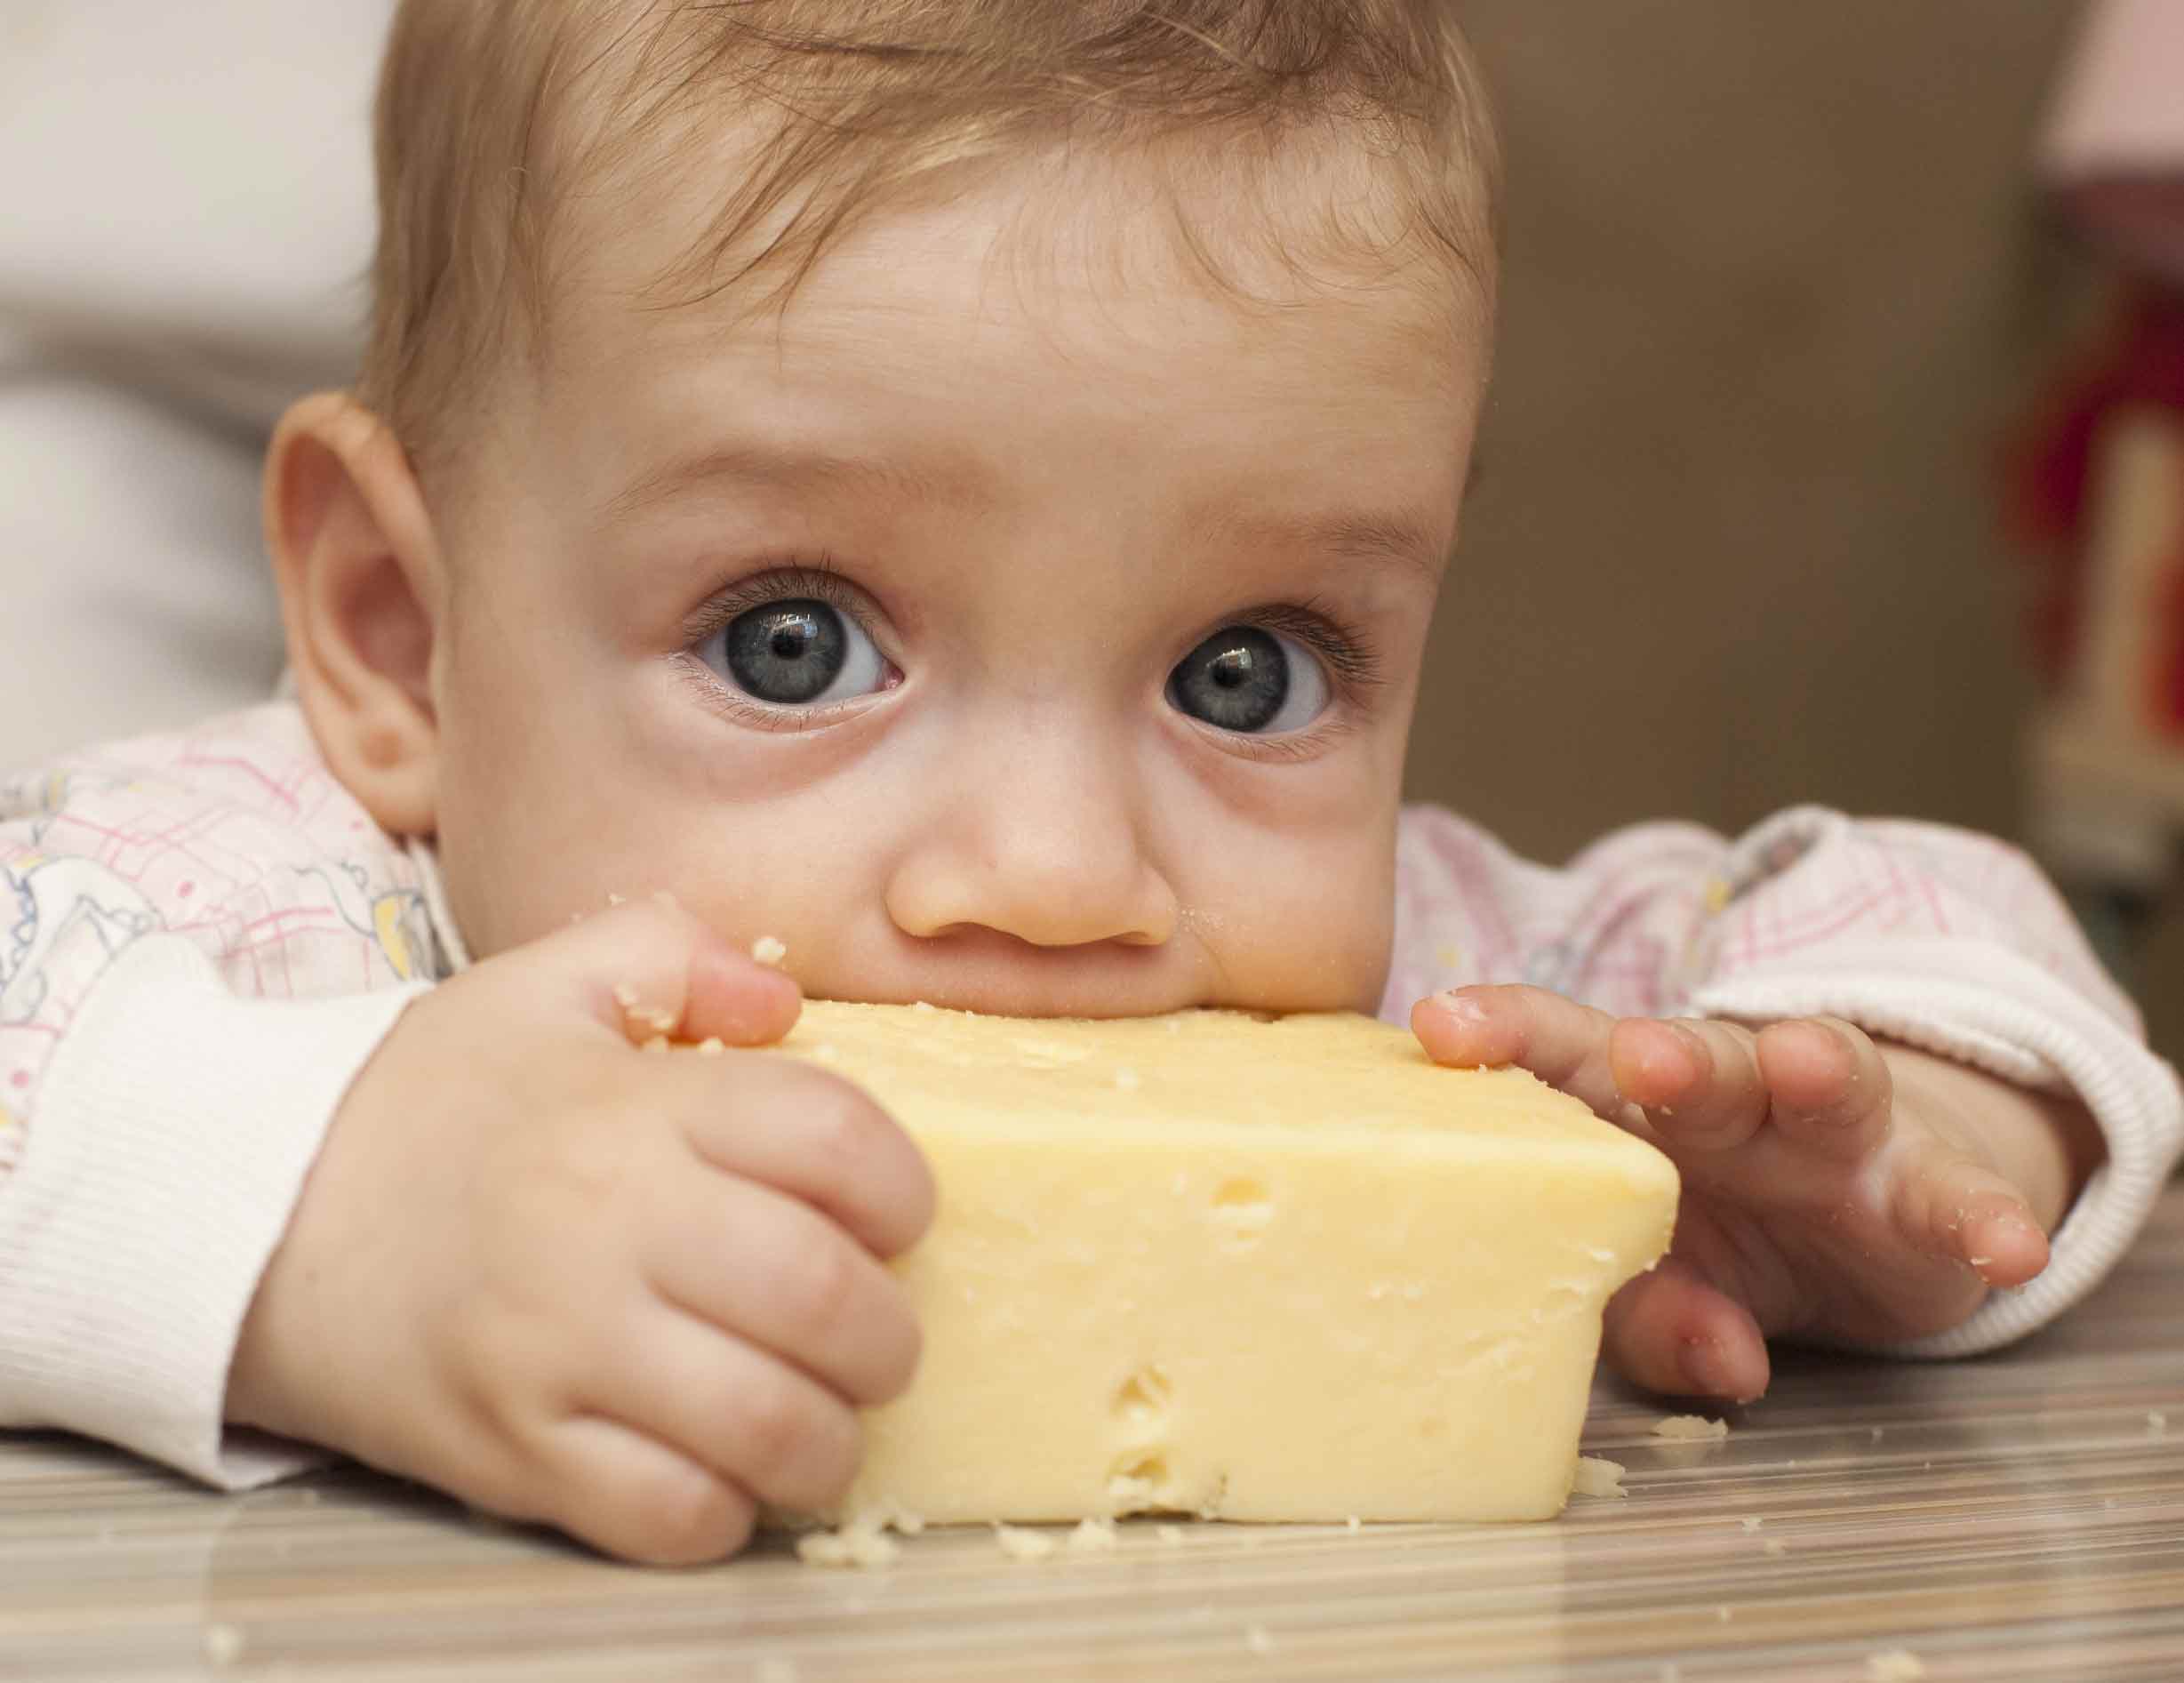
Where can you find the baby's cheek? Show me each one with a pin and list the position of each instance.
(1315, 939)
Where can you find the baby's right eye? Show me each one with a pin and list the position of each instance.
(798, 652)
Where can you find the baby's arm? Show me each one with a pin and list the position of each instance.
(202, 939)
(480, 1237)
(1837, 1186)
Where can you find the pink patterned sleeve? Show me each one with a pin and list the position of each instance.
(233, 835)
(1932, 936)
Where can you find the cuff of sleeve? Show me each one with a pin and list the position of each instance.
(173, 1129)
(2017, 1022)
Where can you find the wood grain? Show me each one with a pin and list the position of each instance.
(2019, 1517)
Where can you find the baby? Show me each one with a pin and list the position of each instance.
(960, 489)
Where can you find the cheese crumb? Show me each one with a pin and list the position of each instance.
(1894, 1665)
(2156, 1423)
(1722, 1613)
(658, 1043)
(710, 1046)
(1171, 1536)
(769, 949)
(861, 1544)
(1353, 1524)
(223, 1644)
(1259, 1640)
(1774, 1548)
(1873, 1434)
(1127, 1081)
(1019, 1544)
(1689, 1428)
(1092, 1536)
(1751, 1522)
(1596, 1476)
(625, 996)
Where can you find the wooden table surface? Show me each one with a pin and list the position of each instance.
(2019, 1517)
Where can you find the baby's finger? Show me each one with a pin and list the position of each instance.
(733, 998)
(753, 1421)
(1562, 1042)
(1830, 1086)
(632, 1496)
(650, 969)
(1971, 1216)
(769, 1269)
(1697, 1081)
(817, 1138)
(1673, 1332)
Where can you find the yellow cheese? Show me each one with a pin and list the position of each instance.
(1268, 1271)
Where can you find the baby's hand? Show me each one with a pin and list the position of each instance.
(1832, 1191)
(630, 1293)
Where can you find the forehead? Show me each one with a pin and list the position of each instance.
(1044, 303)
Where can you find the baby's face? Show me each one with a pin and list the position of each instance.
(1018, 623)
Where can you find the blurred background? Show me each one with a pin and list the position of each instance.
(1782, 286)
(1781, 290)
(1776, 286)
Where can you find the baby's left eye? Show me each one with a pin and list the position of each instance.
(1248, 679)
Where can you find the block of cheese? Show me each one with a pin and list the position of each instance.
(1211, 1264)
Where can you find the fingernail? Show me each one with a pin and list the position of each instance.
(1706, 1366)
(1462, 1006)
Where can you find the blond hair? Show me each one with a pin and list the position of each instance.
(491, 112)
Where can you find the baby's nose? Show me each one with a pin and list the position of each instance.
(1043, 847)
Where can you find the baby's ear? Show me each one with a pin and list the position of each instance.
(359, 572)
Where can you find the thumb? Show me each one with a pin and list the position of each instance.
(649, 968)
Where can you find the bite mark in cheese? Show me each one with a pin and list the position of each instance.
(1285, 1270)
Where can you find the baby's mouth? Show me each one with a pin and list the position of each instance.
(998, 975)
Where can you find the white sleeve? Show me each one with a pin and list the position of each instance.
(175, 1125)
(2004, 1014)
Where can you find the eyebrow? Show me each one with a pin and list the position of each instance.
(792, 468)
(1408, 538)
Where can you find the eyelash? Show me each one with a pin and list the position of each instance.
(819, 580)
(1353, 659)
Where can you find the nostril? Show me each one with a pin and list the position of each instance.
(1066, 883)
